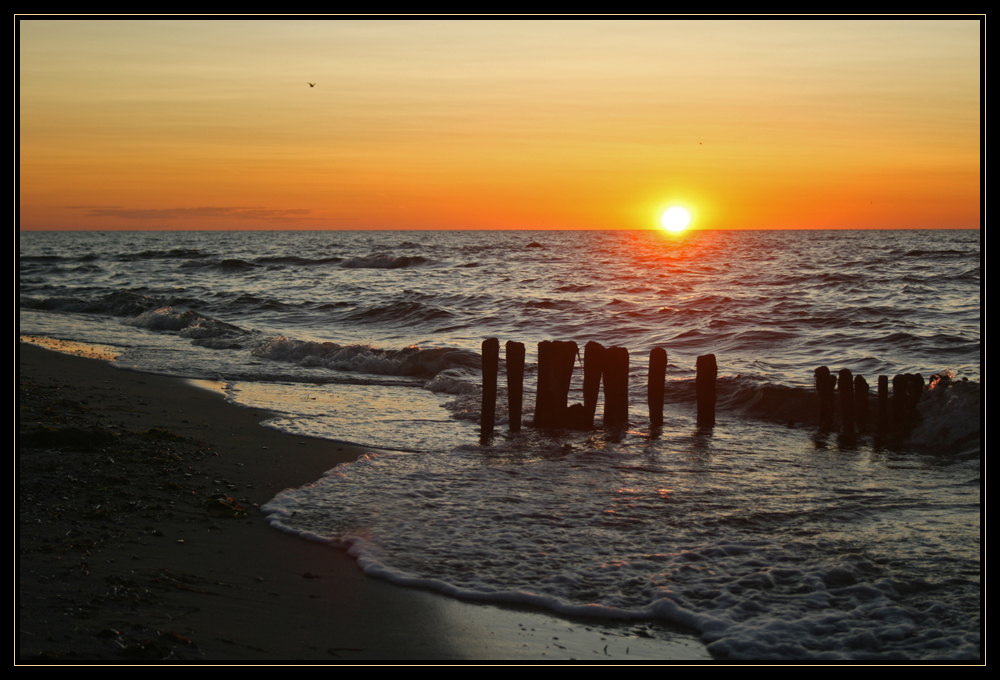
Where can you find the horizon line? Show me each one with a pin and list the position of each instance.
(653, 229)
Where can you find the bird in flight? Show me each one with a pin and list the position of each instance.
(311, 84)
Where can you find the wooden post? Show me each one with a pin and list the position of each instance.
(565, 357)
(514, 352)
(883, 401)
(845, 385)
(704, 383)
(824, 386)
(555, 370)
(593, 368)
(654, 386)
(543, 398)
(491, 363)
(615, 387)
(861, 401)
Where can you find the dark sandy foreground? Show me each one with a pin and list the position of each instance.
(139, 538)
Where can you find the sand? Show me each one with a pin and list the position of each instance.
(140, 539)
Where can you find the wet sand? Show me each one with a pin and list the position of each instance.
(140, 539)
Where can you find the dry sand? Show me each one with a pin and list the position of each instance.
(140, 539)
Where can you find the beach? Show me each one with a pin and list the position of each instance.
(148, 560)
(860, 547)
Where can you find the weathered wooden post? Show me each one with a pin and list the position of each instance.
(883, 401)
(514, 351)
(593, 369)
(491, 364)
(615, 387)
(845, 385)
(704, 384)
(543, 398)
(565, 357)
(824, 386)
(555, 370)
(654, 386)
(861, 401)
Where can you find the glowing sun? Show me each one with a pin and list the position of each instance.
(675, 218)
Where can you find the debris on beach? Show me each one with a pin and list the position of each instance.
(226, 505)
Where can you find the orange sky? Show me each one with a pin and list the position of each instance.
(498, 124)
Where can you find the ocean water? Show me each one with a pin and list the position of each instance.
(767, 537)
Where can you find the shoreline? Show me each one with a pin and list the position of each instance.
(146, 563)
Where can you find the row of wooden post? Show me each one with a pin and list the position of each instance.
(906, 391)
(609, 365)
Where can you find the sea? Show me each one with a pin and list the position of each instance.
(767, 536)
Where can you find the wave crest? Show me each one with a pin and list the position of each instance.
(410, 361)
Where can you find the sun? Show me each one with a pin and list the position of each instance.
(675, 218)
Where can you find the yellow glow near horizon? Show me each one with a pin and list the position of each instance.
(675, 218)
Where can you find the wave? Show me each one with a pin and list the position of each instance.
(171, 254)
(189, 324)
(298, 261)
(753, 576)
(235, 263)
(385, 262)
(409, 361)
(118, 303)
(951, 416)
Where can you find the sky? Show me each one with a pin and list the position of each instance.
(419, 124)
